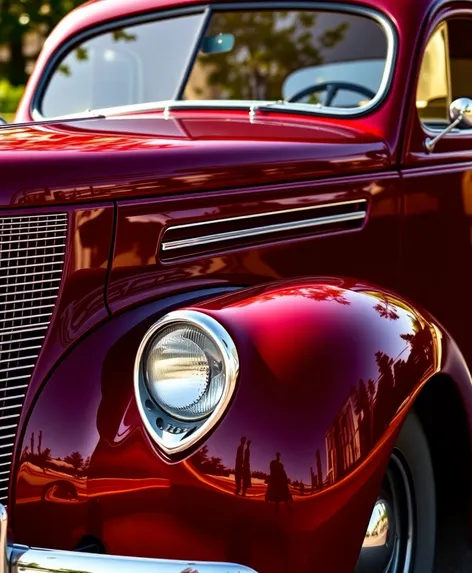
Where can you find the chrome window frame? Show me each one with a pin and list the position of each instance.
(206, 10)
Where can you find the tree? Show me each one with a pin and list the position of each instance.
(21, 17)
(270, 45)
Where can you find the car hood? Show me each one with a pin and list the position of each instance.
(149, 154)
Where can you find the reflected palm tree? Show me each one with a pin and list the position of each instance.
(386, 310)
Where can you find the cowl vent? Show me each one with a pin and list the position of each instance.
(210, 236)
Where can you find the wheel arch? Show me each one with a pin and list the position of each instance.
(302, 345)
(441, 410)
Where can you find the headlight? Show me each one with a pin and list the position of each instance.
(185, 375)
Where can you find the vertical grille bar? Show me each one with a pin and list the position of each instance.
(32, 251)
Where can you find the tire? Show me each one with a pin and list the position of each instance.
(407, 502)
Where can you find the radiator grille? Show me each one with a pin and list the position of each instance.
(32, 251)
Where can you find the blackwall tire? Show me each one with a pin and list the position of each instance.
(412, 446)
(401, 536)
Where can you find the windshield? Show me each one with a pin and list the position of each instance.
(338, 60)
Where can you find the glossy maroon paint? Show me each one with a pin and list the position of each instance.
(154, 156)
(291, 398)
(304, 347)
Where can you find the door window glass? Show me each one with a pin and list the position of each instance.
(446, 72)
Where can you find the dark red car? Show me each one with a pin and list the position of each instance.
(223, 230)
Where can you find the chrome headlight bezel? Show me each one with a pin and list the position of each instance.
(171, 434)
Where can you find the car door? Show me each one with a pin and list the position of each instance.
(437, 245)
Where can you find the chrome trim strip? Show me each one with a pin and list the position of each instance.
(9, 388)
(33, 274)
(13, 378)
(47, 561)
(5, 399)
(22, 300)
(53, 217)
(19, 558)
(21, 329)
(10, 267)
(20, 368)
(11, 417)
(37, 230)
(40, 248)
(35, 240)
(18, 340)
(19, 359)
(36, 347)
(29, 257)
(28, 308)
(3, 408)
(28, 283)
(269, 213)
(3, 540)
(258, 231)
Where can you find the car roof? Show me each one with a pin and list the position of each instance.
(96, 11)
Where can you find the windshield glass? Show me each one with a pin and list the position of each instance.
(334, 59)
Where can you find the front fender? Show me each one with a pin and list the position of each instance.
(328, 371)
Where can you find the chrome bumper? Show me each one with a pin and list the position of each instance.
(21, 559)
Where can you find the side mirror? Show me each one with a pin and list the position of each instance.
(3, 121)
(460, 112)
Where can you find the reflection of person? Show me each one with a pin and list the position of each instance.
(277, 489)
(318, 469)
(247, 468)
(238, 468)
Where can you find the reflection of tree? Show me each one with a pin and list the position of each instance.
(36, 455)
(260, 475)
(40, 457)
(371, 405)
(82, 55)
(386, 310)
(269, 46)
(76, 460)
(319, 293)
(209, 465)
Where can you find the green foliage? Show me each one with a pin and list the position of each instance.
(269, 46)
(9, 97)
(20, 17)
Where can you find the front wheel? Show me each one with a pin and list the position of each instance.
(400, 537)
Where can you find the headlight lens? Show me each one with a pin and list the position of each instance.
(185, 372)
(185, 375)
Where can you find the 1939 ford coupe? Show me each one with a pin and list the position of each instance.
(236, 272)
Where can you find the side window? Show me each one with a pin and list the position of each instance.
(446, 72)
(125, 66)
(434, 95)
